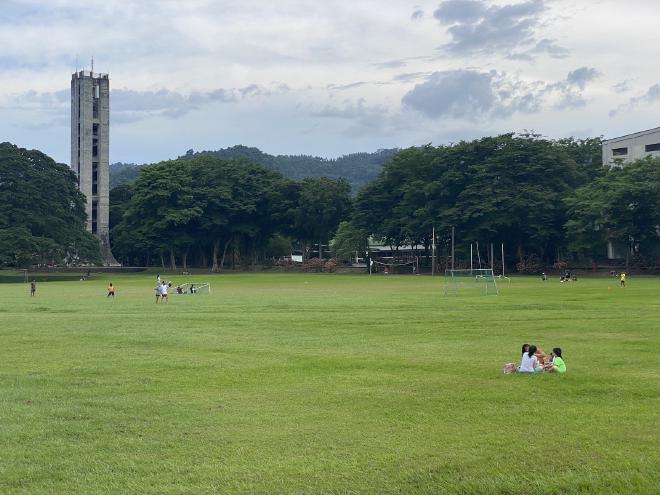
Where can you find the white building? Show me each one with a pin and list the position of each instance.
(632, 146)
(626, 149)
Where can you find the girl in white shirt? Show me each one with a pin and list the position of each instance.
(530, 363)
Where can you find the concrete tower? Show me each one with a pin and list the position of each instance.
(90, 144)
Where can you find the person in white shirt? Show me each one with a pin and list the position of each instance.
(158, 290)
(163, 292)
(530, 363)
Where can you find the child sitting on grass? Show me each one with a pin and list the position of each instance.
(557, 365)
(530, 363)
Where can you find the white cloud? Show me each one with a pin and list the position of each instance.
(325, 77)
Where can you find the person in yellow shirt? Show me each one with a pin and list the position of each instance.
(622, 277)
(111, 291)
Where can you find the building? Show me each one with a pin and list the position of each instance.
(90, 143)
(632, 146)
(626, 149)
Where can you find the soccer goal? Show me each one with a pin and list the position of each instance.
(482, 279)
(193, 288)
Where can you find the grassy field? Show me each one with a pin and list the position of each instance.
(289, 383)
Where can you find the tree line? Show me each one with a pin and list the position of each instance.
(357, 168)
(202, 208)
(546, 200)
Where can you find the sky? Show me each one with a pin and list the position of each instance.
(328, 77)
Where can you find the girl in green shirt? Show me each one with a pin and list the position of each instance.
(557, 365)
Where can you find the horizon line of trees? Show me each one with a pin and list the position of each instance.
(547, 200)
(205, 208)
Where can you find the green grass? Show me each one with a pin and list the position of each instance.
(288, 383)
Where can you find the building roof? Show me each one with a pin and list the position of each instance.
(632, 136)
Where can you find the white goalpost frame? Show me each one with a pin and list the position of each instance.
(188, 286)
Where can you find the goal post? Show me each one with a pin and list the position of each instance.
(475, 278)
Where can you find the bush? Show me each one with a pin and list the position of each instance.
(560, 265)
(530, 264)
(313, 265)
(330, 265)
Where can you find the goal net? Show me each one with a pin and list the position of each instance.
(479, 279)
(193, 288)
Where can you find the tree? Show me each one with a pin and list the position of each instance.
(348, 241)
(42, 212)
(162, 211)
(622, 206)
(506, 188)
(322, 204)
(240, 203)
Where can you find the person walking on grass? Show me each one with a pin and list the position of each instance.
(158, 291)
(622, 278)
(111, 291)
(33, 288)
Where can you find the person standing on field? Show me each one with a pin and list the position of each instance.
(33, 288)
(163, 292)
(622, 277)
(111, 291)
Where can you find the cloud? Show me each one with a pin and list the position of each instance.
(417, 15)
(467, 93)
(650, 96)
(622, 87)
(391, 64)
(362, 119)
(410, 76)
(129, 106)
(343, 87)
(472, 94)
(570, 91)
(582, 76)
(544, 47)
(477, 27)
(350, 110)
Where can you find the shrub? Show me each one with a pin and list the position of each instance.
(330, 265)
(530, 264)
(313, 265)
(560, 265)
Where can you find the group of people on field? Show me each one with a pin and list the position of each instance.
(534, 360)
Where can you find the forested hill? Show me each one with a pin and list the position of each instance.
(123, 173)
(357, 168)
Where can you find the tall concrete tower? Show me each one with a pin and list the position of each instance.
(90, 145)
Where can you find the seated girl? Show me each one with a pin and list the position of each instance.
(530, 363)
(557, 364)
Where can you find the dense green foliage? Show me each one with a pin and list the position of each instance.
(510, 189)
(547, 201)
(621, 206)
(327, 384)
(42, 213)
(207, 206)
(123, 173)
(357, 168)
